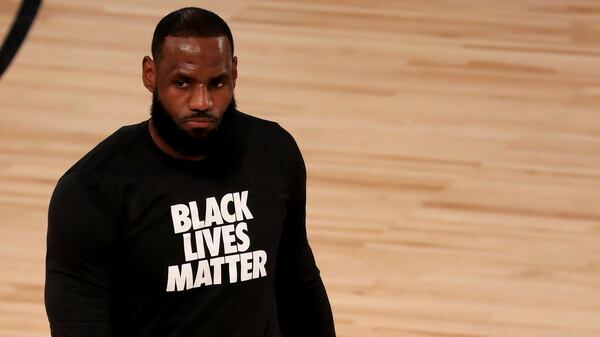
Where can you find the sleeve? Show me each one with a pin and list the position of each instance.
(303, 306)
(78, 276)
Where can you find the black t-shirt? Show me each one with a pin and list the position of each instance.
(142, 244)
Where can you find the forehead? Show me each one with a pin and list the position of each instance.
(195, 53)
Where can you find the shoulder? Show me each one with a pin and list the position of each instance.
(270, 133)
(110, 151)
(269, 142)
(104, 170)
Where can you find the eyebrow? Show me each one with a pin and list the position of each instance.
(186, 74)
(219, 76)
(181, 72)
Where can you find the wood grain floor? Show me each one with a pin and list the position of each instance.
(453, 150)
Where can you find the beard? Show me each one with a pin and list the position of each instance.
(190, 143)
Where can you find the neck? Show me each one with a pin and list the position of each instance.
(164, 147)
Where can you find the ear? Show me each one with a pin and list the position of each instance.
(234, 72)
(149, 73)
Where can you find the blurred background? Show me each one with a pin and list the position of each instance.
(452, 148)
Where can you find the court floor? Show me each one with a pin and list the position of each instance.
(452, 148)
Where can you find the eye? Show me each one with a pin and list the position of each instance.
(180, 83)
(217, 83)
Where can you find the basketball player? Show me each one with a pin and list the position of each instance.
(191, 223)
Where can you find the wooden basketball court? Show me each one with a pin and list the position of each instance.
(452, 148)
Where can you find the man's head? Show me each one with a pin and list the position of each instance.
(192, 77)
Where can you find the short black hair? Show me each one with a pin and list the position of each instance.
(189, 22)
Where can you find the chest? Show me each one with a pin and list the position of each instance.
(184, 231)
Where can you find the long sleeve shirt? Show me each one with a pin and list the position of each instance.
(142, 244)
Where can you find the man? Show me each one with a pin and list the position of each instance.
(191, 223)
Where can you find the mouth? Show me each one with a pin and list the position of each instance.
(200, 122)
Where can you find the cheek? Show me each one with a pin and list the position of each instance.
(221, 99)
(174, 102)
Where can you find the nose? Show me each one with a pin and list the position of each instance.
(200, 99)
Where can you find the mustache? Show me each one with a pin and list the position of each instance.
(200, 114)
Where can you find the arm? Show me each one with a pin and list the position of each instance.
(303, 306)
(80, 235)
